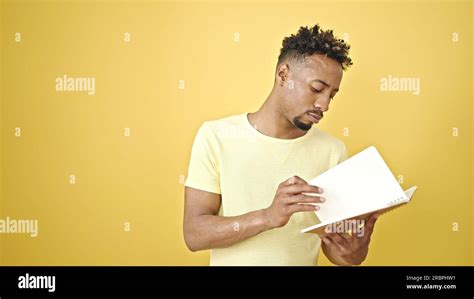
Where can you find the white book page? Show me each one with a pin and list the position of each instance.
(360, 184)
(316, 228)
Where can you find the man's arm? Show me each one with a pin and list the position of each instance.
(203, 229)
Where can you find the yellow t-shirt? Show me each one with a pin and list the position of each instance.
(232, 158)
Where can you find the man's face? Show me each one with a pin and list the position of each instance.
(309, 89)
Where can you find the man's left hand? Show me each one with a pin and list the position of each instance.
(347, 250)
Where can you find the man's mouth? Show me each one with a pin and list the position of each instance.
(315, 117)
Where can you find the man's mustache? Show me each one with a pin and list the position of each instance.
(318, 112)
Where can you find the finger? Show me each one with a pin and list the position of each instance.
(372, 216)
(325, 240)
(339, 241)
(294, 180)
(371, 221)
(301, 198)
(300, 188)
(375, 216)
(346, 236)
(332, 241)
(368, 229)
(302, 208)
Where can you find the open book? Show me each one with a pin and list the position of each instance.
(356, 188)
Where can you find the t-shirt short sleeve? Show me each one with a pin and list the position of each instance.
(203, 170)
(344, 154)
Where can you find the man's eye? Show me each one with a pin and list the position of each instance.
(315, 90)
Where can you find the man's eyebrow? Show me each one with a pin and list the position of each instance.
(321, 81)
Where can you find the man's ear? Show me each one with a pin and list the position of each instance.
(282, 74)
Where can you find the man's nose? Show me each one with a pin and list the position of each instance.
(322, 103)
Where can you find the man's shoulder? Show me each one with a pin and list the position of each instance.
(224, 124)
(227, 120)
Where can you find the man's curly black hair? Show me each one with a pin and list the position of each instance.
(309, 41)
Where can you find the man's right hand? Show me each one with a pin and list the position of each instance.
(289, 199)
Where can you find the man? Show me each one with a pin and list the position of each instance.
(246, 195)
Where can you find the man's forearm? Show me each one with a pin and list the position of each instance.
(211, 231)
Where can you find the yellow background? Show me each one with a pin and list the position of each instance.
(139, 179)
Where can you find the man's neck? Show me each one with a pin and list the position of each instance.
(270, 121)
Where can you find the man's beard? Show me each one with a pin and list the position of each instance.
(301, 125)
